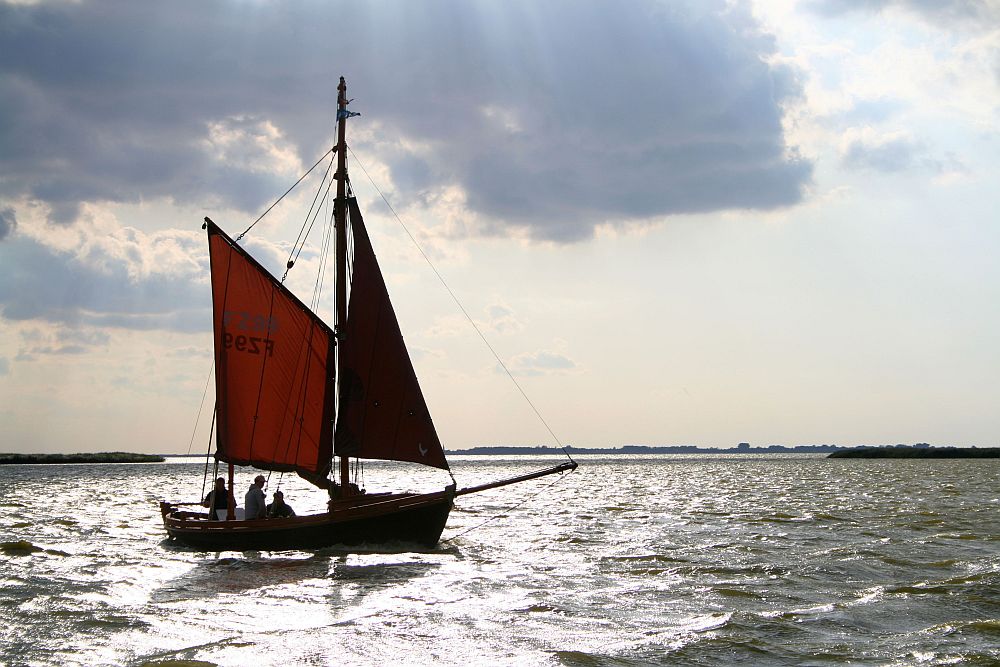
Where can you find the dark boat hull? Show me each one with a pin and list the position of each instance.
(406, 518)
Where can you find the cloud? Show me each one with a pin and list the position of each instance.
(418, 353)
(864, 148)
(131, 281)
(8, 222)
(116, 120)
(870, 111)
(498, 318)
(894, 152)
(626, 112)
(4, 366)
(969, 11)
(100, 274)
(550, 118)
(60, 340)
(501, 319)
(541, 363)
(189, 352)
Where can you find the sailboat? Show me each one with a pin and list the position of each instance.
(294, 394)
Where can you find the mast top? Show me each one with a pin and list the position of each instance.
(342, 115)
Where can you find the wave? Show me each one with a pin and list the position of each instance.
(178, 663)
(730, 592)
(645, 558)
(987, 626)
(26, 548)
(919, 589)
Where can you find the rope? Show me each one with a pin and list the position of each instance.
(324, 253)
(314, 217)
(201, 406)
(284, 195)
(509, 509)
(462, 308)
(293, 256)
(208, 453)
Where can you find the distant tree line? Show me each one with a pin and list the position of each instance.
(99, 457)
(918, 452)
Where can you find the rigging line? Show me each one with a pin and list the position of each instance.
(201, 406)
(305, 347)
(303, 359)
(324, 257)
(349, 239)
(260, 384)
(332, 150)
(462, 308)
(324, 254)
(330, 236)
(211, 431)
(293, 255)
(509, 509)
(300, 406)
(314, 217)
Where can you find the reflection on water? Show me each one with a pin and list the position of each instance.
(236, 575)
(253, 571)
(629, 561)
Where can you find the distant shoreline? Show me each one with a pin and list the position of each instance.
(631, 450)
(626, 450)
(920, 450)
(918, 453)
(99, 457)
(835, 451)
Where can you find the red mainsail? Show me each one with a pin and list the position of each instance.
(382, 412)
(274, 361)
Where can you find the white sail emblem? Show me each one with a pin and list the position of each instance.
(423, 450)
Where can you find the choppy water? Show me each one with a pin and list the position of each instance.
(705, 560)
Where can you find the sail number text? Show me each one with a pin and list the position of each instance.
(249, 344)
(241, 320)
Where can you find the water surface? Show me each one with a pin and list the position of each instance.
(675, 560)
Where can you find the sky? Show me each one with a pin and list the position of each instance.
(704, 222)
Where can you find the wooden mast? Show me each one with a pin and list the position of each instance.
(340, 222)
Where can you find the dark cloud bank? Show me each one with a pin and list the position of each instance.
(44, 285)
(551, 116)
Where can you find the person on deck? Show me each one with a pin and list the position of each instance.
(217, 498)
(254, 502)
(279, 508)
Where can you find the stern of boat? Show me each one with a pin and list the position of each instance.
(166, 508)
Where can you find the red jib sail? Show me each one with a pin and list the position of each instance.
(274, 368)
(382, 413)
